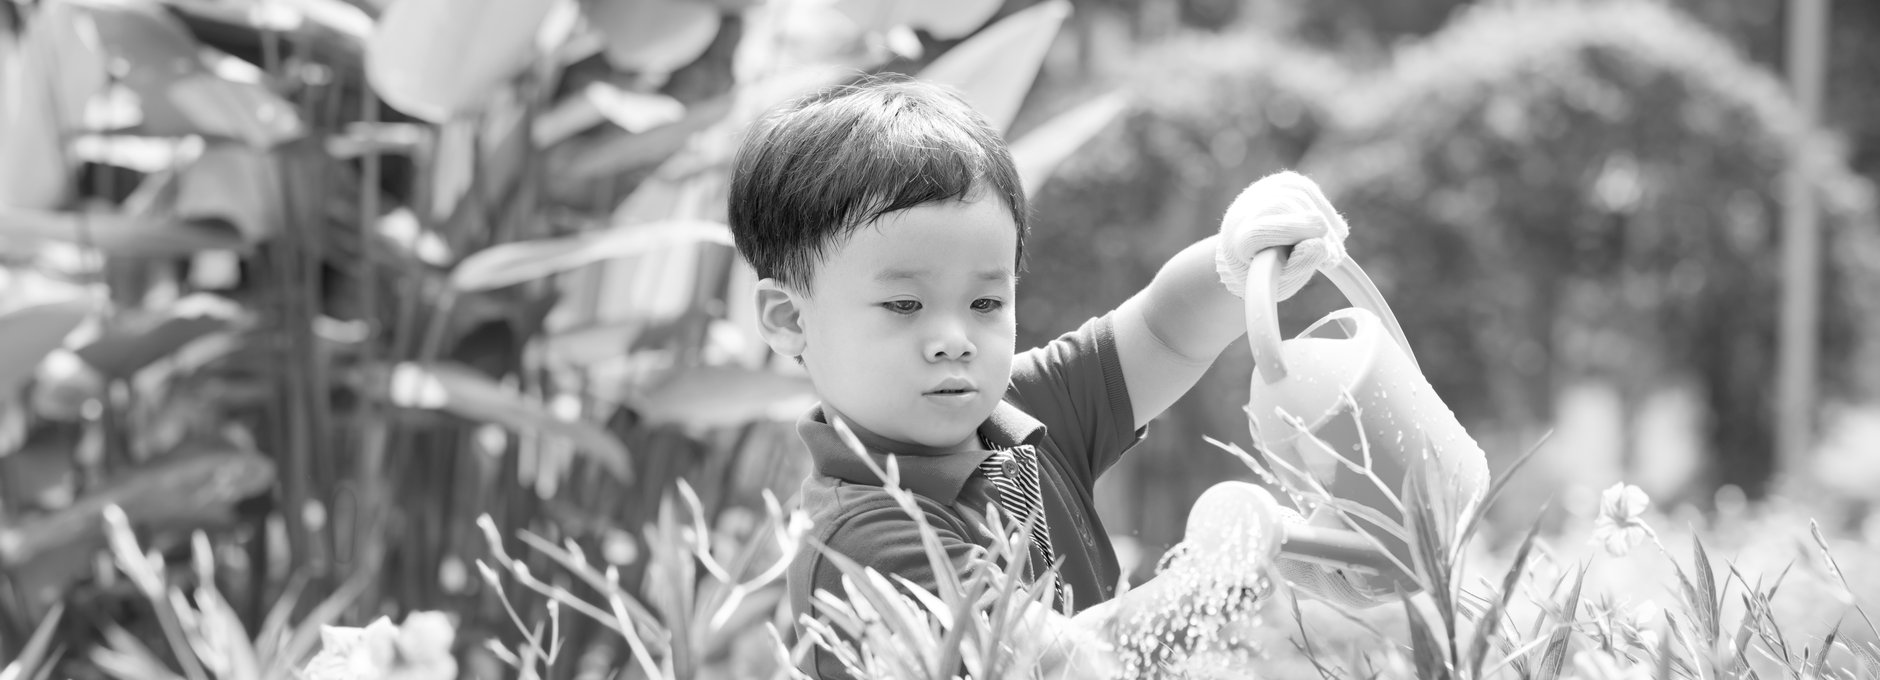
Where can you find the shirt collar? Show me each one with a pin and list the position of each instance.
(937, 477)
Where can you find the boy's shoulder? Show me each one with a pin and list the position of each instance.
(842, 512)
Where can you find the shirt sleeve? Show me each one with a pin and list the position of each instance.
(1074, 385)
(882, 537)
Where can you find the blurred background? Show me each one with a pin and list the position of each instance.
(307, 287)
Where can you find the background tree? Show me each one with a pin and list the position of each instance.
(1587, 191)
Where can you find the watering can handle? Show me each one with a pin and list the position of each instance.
(1263, 308)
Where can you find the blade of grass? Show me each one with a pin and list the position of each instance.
(945, 573)
(1869, 655)
(1834, 568)
(1305, 642)
(1706, 582)
(868, 585)
(1425, 648)
(33, 657)
(1516, 658)
(1662, 669)
(1431, 553)
(1491, 621)
(1820, 661)
(1556, 655)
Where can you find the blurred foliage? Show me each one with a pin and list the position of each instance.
(1546, 192)
(320, 283)
(305, 288)
(1590, 191)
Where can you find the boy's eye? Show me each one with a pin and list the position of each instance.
(902, 306)
(987, 305)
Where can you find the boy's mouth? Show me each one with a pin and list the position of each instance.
(952, 386)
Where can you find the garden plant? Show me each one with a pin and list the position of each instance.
(404, 339)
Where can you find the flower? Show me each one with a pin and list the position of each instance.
(1620, 526)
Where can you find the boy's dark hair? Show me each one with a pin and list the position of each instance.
(817, 169)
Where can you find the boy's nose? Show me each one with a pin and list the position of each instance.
(950, 343)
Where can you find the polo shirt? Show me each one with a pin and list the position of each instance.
(1067, 401)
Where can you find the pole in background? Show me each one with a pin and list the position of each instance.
(1800, 336)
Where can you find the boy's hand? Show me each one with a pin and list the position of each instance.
(1284, 209)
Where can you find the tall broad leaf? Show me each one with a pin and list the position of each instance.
(474, 396)
(28, 334)
(1040, 151)
(137, 338)
(438, 59)
(236, 184)
(995, 68)
(184, 487)
(634, 112)
(153, 51)
(116, 233)
(653, 36)
(512, 263)
(244, 111)
(945, 20)
(717, 396)
(44, 87)
(59, 39)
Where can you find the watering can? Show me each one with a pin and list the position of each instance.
(1352, 382)
(1346, 385)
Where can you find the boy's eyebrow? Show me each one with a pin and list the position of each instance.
(1000, 274)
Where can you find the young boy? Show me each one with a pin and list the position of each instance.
(887, 225)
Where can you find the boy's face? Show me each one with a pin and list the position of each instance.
(910, 326)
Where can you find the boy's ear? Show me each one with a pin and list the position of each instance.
(780, 318)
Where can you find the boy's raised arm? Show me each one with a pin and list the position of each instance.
(1169, 333)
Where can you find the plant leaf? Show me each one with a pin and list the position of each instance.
(622, 151)
(441, 59)
(1556, 655)
(1044, 148)
(243, 111)
(1429, 553)
(995, 68)
(33, 658)
(236, 184)
(604, 340)
(1425, 647)
(717, 396)
(1820, 660)
(156, 52)
(472, 395)
(1869, 655)
(1707, 600)
(512, 263)
(633, 112)
(1665, 655)
(117, 233)
(53, 76)
(183, 487)
(137, 338)
(28, 334)
(653, 36)
(1491, 621)
(124, 656)
(944, 20)
(56, 41)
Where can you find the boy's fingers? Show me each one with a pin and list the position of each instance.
(1281, 210)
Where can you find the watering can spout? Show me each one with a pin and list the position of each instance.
(1346, 405)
